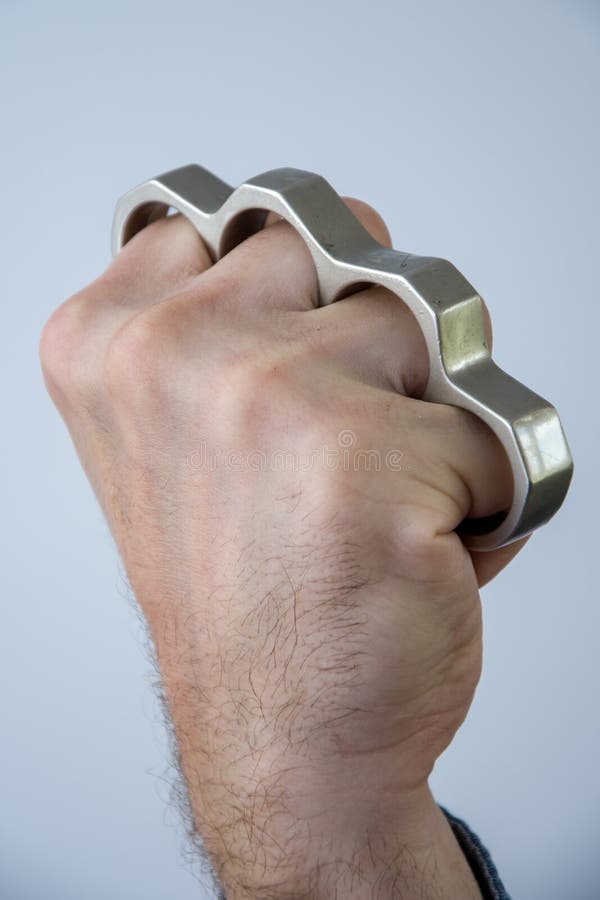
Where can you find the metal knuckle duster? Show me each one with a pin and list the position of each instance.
(448, 309)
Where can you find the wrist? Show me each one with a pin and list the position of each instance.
(398, 847)
(281, 819)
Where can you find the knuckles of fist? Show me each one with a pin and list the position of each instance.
(166, 350)
(124, 341)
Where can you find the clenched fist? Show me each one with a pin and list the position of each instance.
(285, 507)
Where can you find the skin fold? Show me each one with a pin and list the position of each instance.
(285, 505)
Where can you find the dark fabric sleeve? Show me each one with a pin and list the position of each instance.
(479, 859)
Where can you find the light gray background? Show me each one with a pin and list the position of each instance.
(473, 128)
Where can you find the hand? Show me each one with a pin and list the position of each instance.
(285, 507)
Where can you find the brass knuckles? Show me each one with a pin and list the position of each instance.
(447, 307)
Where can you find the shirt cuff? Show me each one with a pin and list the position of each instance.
(479, 859)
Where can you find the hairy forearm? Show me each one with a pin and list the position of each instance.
(278, 857)
(303, 781)
(282, 823)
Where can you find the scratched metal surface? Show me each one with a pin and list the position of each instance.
(448, 309)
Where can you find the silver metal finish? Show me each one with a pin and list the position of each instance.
(448, 309)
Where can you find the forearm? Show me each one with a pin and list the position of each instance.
(301, 784)
(278, 824)
(279, 858)
(292, 795)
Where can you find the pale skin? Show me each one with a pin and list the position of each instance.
(317, 627)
